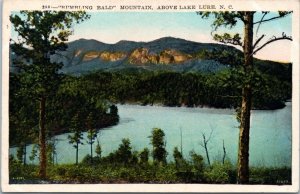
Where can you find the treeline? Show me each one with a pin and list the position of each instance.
(63, 107)
(96, 92)
(126, 165)
(220, 90)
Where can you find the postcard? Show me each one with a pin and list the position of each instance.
(150, 96)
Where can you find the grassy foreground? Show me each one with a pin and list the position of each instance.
(217, 173)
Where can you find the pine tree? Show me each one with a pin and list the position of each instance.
(92, 132)
(76, 138)
(159, 152)
(98, 149)
(41, 35)
(144, 156)
(33, 153)
(250, 48)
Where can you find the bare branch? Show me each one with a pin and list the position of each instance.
(258, 40)
(266, 20)
(204, 138)
(273, 18)
(262, 18)
(272, 40)
(204, 145)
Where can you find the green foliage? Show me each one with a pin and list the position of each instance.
(225, 19)
(122, 156)
(114, 171)
(220, 90)
(86, 94)
(92, 132)
(220, 173)
(91, 135)
(51, 152)
(159, 152)
(270, 175)
(33, 153)
(234, 58)
(197, 165)
(76, 137)
(124, 152)
(23, 115)
(177, 155)
(228, 38)
(76, 128)
(21, 153)
(144, 156)
(41, 34)
(107, 173)
(114, 110)
(98, 149)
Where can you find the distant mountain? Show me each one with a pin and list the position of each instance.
(173, 54)
(83, 56)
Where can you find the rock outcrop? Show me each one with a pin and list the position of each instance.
(170, 56)
(112, 56)
(105, 55)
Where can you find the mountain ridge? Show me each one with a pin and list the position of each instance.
(167, 53)
(84, 56)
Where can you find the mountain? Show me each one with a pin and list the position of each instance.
(168, 53)
(173, 54)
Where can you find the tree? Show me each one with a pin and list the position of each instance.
(51, 151)
(92, 132)
(204, 144)
(33, 153)
(159, 152)
(76, 138)
(41, 35)
(224, 153)
(124, 153)
(21, 155)
(177, 156)
(98, 149)
(250, 48)
(144, 156)
(198, 164)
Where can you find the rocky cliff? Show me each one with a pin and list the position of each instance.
(169, 56)
(83, 56)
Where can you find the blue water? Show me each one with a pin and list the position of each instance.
(270, 135)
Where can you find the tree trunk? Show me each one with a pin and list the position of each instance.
(181, 149)
(243, 153)
(25, 154)
(224, 152)
(77, 153)
(91, 152)
(42, 139)
(206, 149)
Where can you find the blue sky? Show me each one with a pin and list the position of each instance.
(111, 27)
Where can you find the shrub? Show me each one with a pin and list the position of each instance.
(159, 152)
(144, 156)
(270, 175)
(219, 173)
(197, 165)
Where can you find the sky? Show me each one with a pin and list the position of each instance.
(111, 27)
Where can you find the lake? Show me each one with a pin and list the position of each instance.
(270, 134)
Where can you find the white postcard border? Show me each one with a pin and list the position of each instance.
(255, 5)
